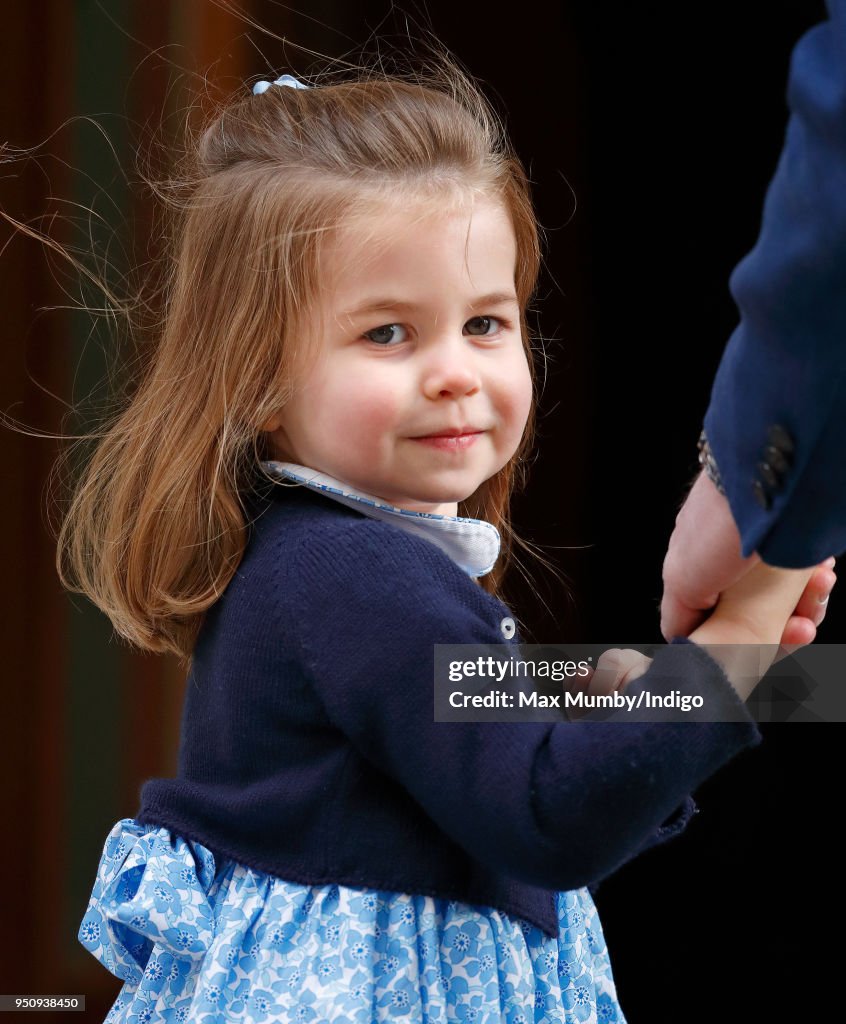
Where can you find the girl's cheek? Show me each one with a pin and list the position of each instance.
(365, 417)
(518, 395)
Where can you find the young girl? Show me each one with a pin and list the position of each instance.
(345, 367)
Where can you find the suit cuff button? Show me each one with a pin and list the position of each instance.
(761, 495)
(769, 475)
(779, 438)
(776, 458)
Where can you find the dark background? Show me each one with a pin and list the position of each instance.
(650, 133)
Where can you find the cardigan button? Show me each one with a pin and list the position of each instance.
(507, 627)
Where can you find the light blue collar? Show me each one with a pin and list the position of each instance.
(472, 543)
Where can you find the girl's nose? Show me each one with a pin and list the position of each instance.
(450, 370)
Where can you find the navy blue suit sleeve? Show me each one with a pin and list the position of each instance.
(785, 364)
(558, 805)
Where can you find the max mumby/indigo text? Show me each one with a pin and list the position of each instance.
(644, 699)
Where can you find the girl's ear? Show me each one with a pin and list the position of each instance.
(273, 423)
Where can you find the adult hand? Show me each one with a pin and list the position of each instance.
(703, 559)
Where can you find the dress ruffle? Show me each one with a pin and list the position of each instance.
(196, 941)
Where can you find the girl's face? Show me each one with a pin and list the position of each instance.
(422, 335)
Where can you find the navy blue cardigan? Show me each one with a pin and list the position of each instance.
(309, 748)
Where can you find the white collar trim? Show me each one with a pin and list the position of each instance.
(472, 543)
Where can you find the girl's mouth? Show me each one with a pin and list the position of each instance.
(449, 443)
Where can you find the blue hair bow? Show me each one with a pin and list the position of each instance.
(261, 87)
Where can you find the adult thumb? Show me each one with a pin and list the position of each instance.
(678, 618)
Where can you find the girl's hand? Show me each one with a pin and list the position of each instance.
(615, 669)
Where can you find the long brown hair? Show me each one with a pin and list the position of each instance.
(157, 522)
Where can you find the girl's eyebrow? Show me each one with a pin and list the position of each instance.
(376, 305)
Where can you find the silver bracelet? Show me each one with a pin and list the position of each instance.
(709, 463)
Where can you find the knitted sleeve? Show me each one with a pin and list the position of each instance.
(558, 805)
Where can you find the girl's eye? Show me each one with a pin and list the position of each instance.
(478, 326)
(381, 335)
(484, 322)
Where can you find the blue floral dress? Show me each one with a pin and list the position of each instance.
(212, 941)
(195, 940)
